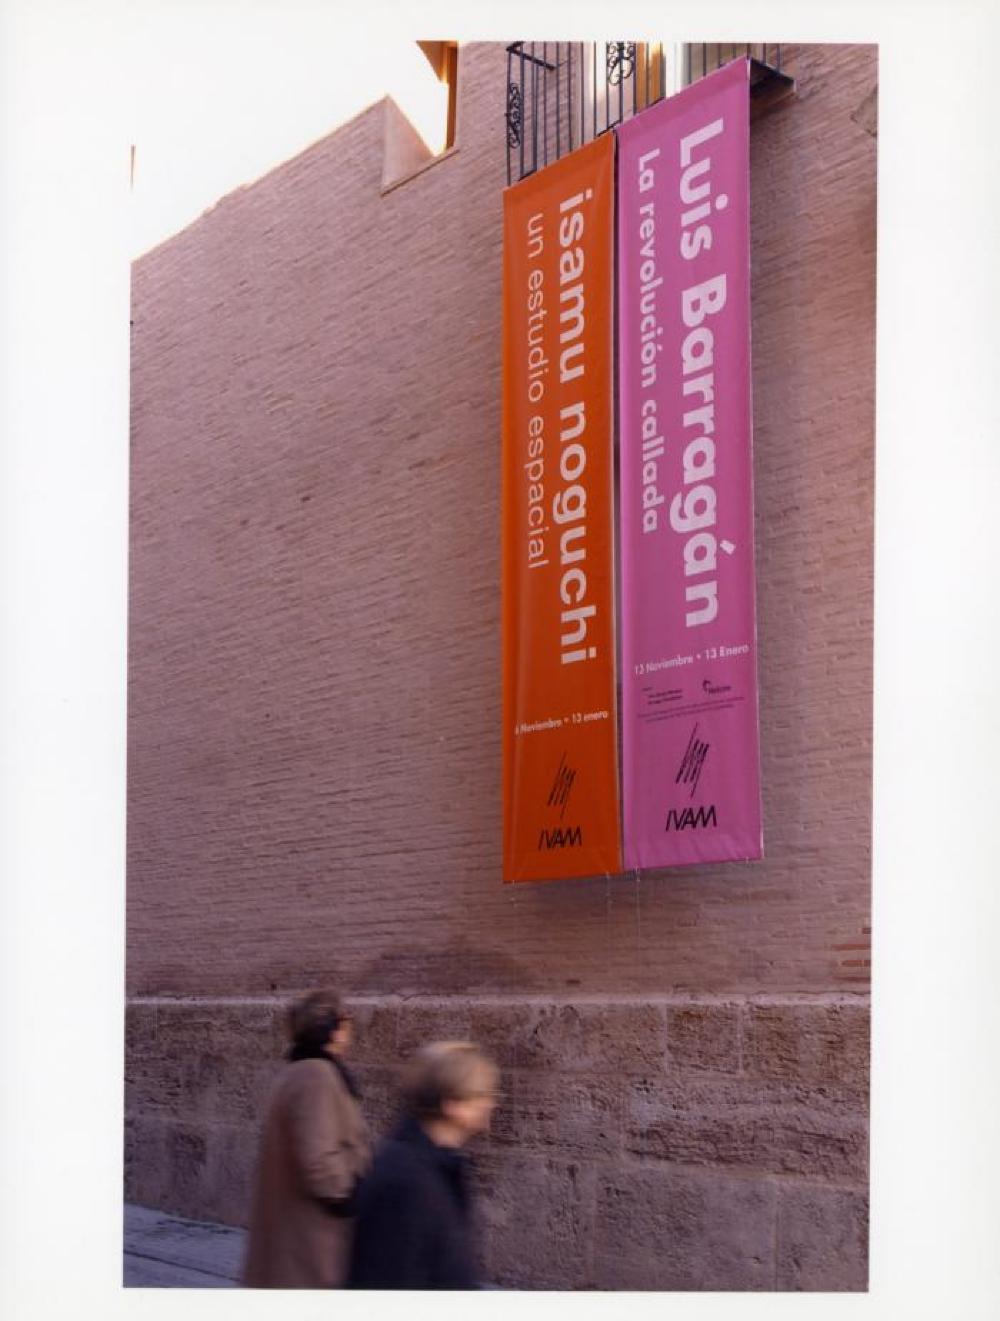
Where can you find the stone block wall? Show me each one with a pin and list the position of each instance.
(638, 1144)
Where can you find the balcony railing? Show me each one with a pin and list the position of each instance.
(563, 94)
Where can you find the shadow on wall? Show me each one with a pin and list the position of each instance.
(459, 968)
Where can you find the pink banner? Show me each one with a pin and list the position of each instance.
(689, 651)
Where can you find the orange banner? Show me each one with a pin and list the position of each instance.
(561, 814)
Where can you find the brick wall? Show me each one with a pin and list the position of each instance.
(314, 720)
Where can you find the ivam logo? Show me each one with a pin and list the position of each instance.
(690, 819)
(570, 838)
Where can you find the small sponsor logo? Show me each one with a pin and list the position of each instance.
(691, 819)
(569, 838)
(716, 688)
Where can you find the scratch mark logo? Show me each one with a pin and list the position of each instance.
(562, 787)
(693, 761)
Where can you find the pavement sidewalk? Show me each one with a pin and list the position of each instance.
(169, 1252)
(163, 1251)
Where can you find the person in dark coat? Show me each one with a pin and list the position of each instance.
(414, 1224)
(313, 1150)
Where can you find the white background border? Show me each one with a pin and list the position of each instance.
(65, 88)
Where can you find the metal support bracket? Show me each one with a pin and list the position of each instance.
(768, 88)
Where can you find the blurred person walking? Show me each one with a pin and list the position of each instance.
(314, 1149)
(414, 1224)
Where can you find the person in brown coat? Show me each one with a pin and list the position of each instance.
(314, 1150)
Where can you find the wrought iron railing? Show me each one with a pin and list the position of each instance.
(563, 94)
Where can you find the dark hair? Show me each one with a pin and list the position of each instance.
(446, 1071)
(312, 1018)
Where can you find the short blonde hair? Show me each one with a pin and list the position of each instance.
(447, 1071)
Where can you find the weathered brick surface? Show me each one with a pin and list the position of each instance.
(423, 1023)
(380, 1096)
(204, 1062)
(194, 1169)
(147, 1172)
(187, 1160)
(807, 1130)
(228, 1173)
(807, 1043)
(564, 1112)
(537, 1214)
(375, 1033)
(822, 1239)
(253, 1030)
(704, 1037)
(314, 722)
(666, 1229)
(609, 1038)
(504, 1030)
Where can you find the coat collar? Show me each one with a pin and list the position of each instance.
(309, 1053)
(411, 1132)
